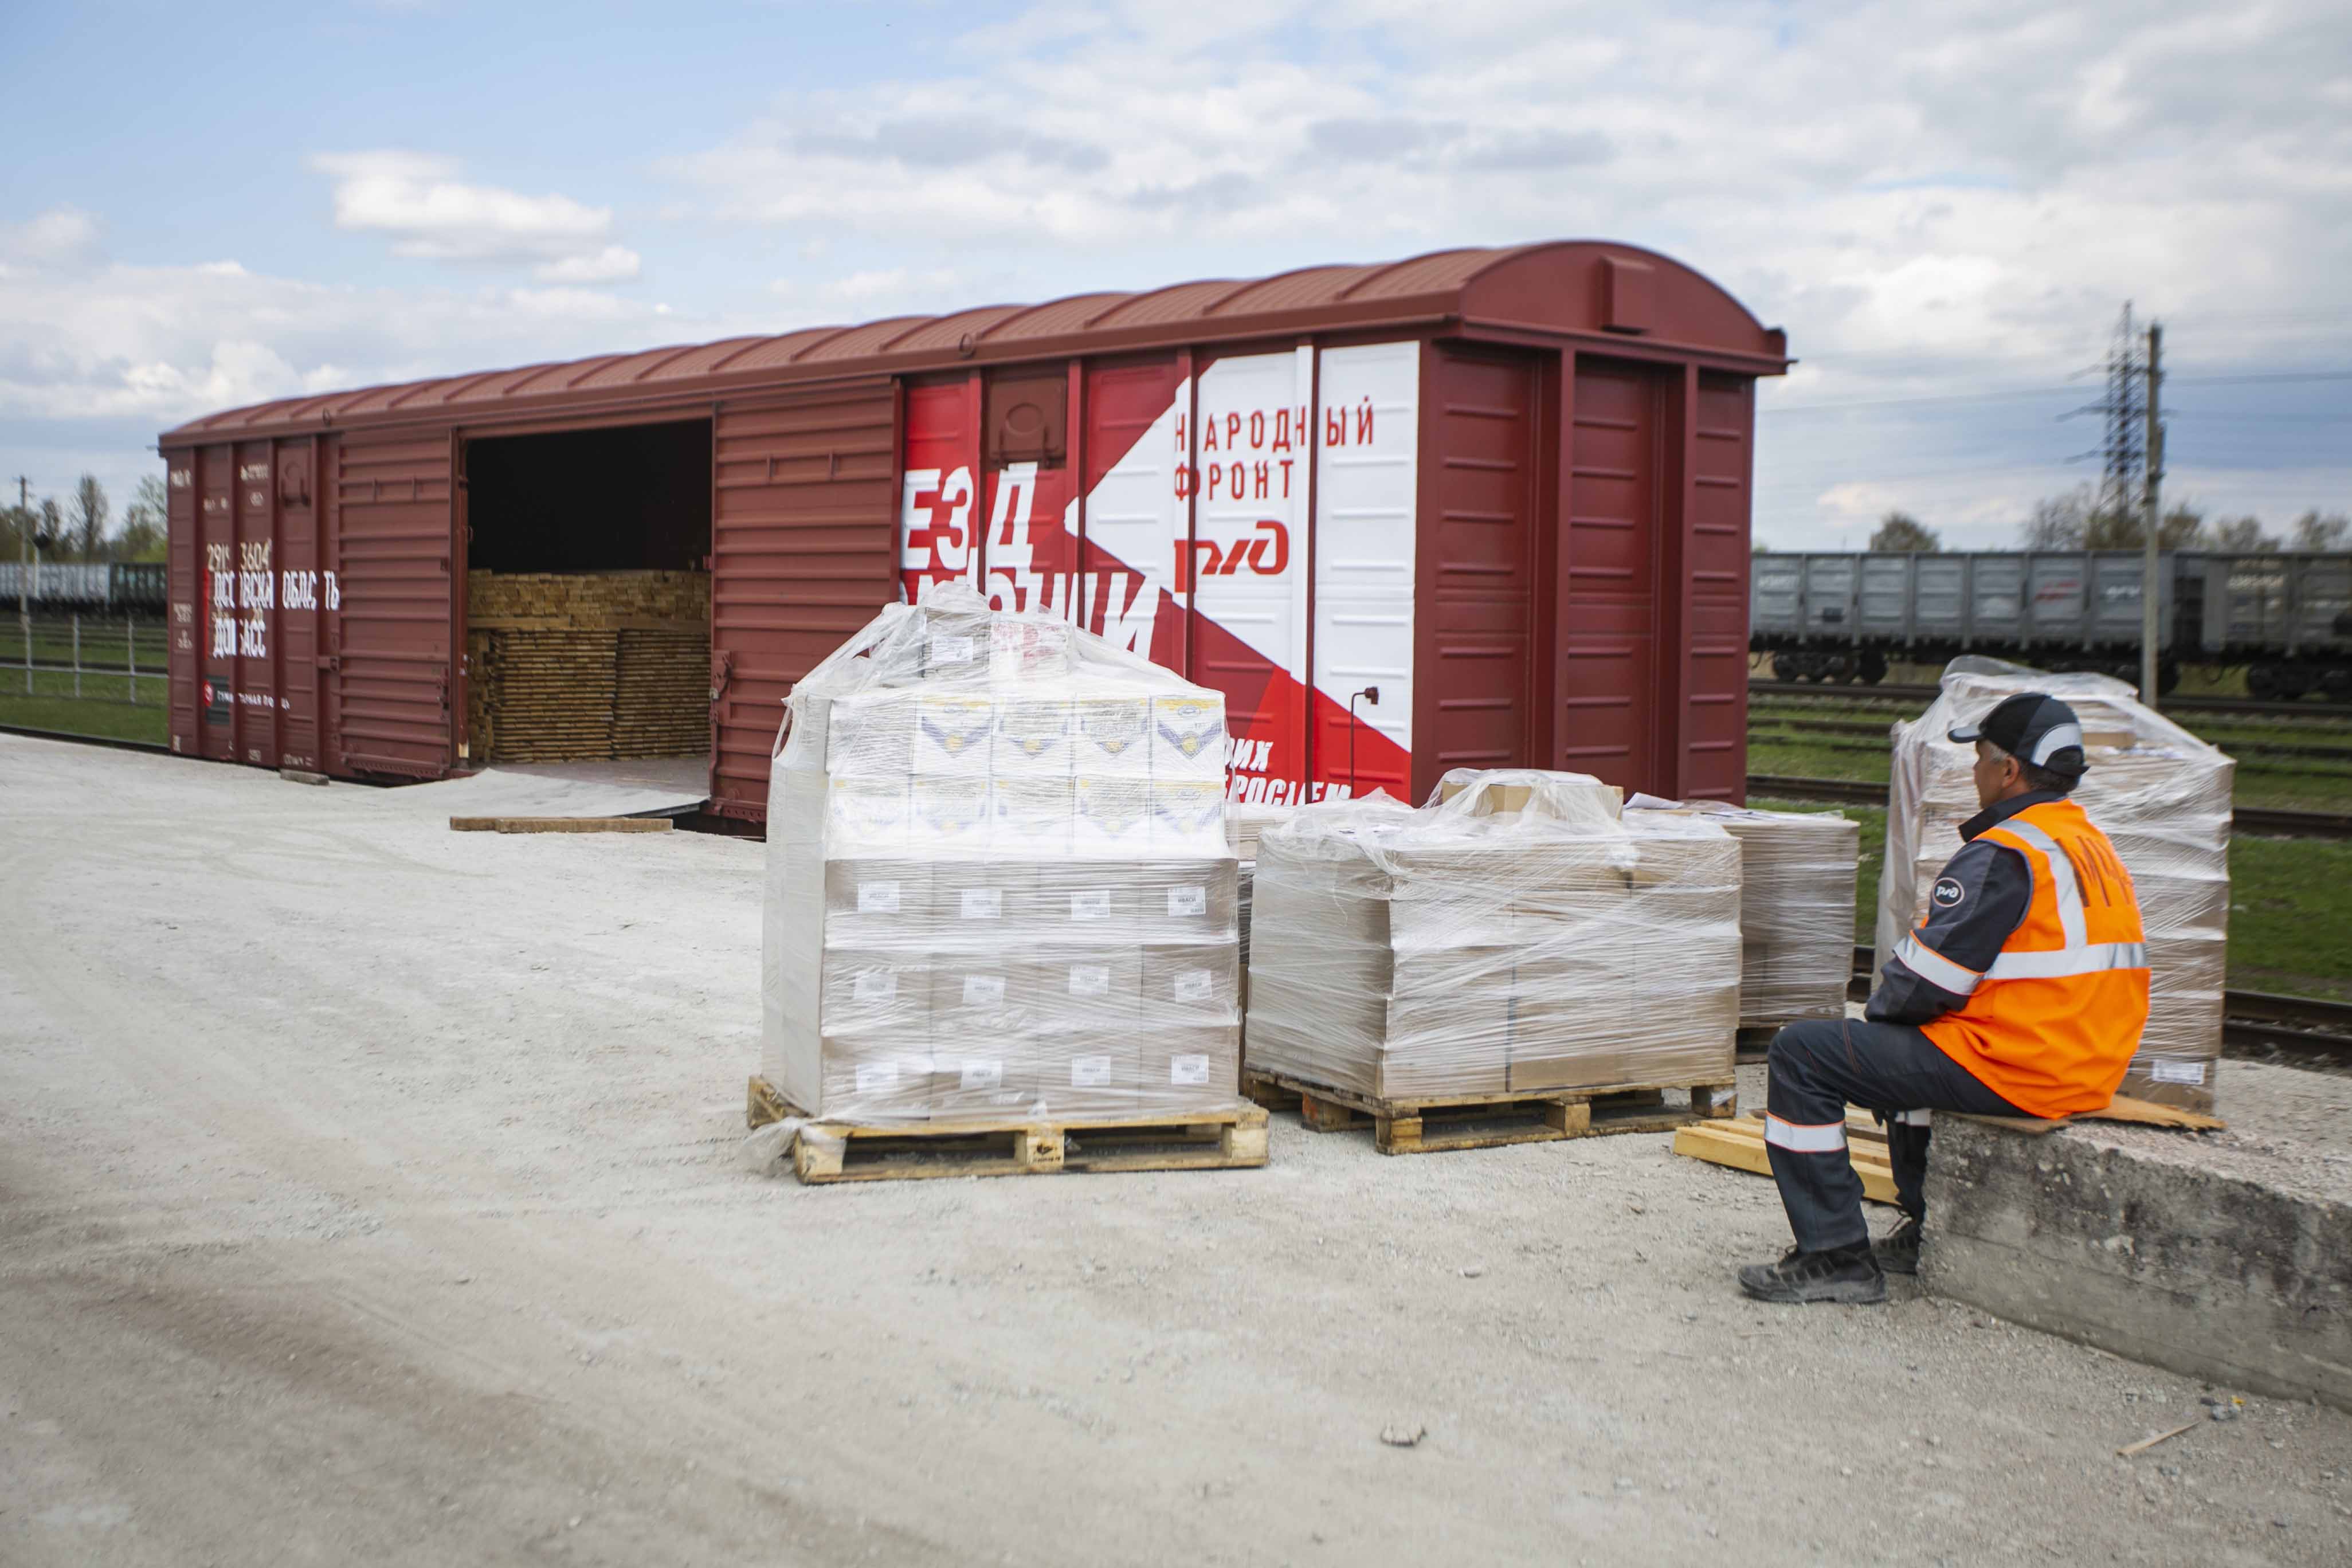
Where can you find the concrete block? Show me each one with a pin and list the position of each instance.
(2095, 1235)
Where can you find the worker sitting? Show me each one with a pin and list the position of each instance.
(2023, 994)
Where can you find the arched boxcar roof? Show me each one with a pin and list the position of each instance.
(1564, 289)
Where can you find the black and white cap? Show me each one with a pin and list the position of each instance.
(2032, 727)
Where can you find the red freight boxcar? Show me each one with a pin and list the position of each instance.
(1478, 508)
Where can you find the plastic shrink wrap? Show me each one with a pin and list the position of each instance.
(1796, 906)
(999, 886)
(1245, 822)
(1514, 935)
(2160, 794)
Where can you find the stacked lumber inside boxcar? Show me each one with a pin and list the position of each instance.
(566, 666)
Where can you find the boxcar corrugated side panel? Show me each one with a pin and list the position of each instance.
(803, 544)
(397, 619)
(1711, 759)
(1480, 414)
(1606, 681)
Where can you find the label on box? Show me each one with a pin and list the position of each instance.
(983, 903)
(877, 1078)
(2176, 1072)
(874, 986)
(1090, 980)
(979, 990)
(983, 1075)
(1188, 901)
(1187, 1071)
(951, 650)
(1089, 1073)
(877, 897)
(1195, 985)
(1090, 904)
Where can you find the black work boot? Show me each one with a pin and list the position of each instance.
(1898, 1250)
(1841, 1274)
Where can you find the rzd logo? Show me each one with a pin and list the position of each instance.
(1266, 550)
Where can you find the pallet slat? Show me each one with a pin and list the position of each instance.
(828, 1152)
(1740, 1145)
(1490, 1121)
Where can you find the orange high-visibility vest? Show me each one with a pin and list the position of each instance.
(2051, 1025)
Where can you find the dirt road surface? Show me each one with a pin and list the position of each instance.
(369, 1193)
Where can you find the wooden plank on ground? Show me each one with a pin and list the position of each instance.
(561, 824)
(1739, 1145)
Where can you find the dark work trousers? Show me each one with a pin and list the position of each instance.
(1817, 1069)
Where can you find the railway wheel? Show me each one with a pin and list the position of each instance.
(1788, 666)
(2336, 685)
(1874, 668)
(2263, 682)
(2167, 676)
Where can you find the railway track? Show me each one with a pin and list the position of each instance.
(1925, 694)
(1876, 729)
(2306, 1031)
(2245, 819)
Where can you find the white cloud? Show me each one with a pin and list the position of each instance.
(433, 214)
(60, 236)
(614, 263)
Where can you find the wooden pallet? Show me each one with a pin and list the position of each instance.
(827, 1151)
(1739, 1144)
(561, 824)
(1430, 1123)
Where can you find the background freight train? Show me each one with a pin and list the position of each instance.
(1481, 508)
(2286, 617)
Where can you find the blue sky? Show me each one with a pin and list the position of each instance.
(1944, 206)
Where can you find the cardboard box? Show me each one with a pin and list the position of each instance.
(871, 735)
(1092, 901)
(1034, 738)
(867, 1079)
(1029, 817)
(878, 903)
(976, 995)
(986, 903)
(1086, 988)
(1196, 1067)
(1191, 983)
(982, 1081)
(1188, 738)
(1188, 818)
(1188, 901)
(1508, 800)
(952, 734)
(875, 994)
(1111, 817)
(1114, 737)
(949, 816)
(1083, 1075)
(867, 816)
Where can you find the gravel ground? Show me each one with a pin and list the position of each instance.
(368, 1191)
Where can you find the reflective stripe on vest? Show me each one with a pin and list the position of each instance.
(2062, 879)
(1804, 1137)
(1934, 968)
(2089, 958)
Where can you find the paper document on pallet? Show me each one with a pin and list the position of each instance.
(1796, 906)
(999, 885)
(2157, 791)
(1512, 934)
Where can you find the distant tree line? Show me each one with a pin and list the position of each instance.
(2076, 521)
(80, 529)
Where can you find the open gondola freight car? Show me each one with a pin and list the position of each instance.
(1481, 508)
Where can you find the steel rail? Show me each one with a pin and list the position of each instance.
(1843, 693)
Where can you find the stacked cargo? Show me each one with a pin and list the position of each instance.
(2160, 794)
(999, 884)
(1518, 934)
(566, 666)
(1245, 822)
(1796, 907)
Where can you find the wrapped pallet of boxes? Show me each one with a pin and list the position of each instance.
(1246, 821)
(999, 888)
(2160, 794)
(1515, 934)
(1796, 906)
